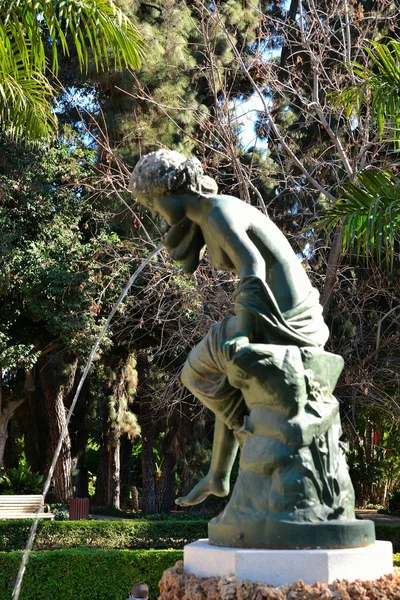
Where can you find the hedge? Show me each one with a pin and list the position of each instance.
(133, 535)
(85, 574)
(389, 533)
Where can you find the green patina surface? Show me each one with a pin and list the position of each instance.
(262, 371)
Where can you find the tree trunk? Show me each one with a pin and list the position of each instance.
(33, 421)
(3, 435)
(7, 408)
(126, 477)
(56, 385)
(117, 418)
(147, 429)
(166, 484)
(79, 432)
(114, 470)
(82, 480)
(5, 416)
(135, 499)
(332, 269)
(11, 452)
(108, 472)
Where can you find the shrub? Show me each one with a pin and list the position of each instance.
(60, 511)
(85, 574)
(21, 480)
(53, 535)
(116, 512)
(394, 502)
(132, 535)
(389, 533)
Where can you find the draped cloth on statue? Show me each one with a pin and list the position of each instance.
(204, 373)
(303, 325)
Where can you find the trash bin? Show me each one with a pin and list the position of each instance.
(78, 509)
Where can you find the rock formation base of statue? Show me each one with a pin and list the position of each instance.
(293, 489)
(291, 514)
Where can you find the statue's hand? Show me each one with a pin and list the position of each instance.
(233, 344)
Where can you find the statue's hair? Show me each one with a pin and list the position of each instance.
(166, 171)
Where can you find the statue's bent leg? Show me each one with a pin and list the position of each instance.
(216, 482)
(204, 375)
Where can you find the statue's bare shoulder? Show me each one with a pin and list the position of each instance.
(229, 214)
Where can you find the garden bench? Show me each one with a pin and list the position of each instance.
(23, 507)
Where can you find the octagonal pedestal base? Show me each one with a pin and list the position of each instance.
(279, 567)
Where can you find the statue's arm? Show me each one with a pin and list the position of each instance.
(231, 234)
(247, 261)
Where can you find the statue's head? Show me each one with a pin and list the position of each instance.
(159, 182)
(165, 171)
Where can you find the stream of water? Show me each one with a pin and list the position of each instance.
(32, 532)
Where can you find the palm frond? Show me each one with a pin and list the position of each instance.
(25, 97)
(95, 24)
(369, 211)
(94, 28)
(378, 87)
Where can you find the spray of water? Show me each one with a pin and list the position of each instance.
(32, 532)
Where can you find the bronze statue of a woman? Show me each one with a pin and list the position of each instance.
(262, 371)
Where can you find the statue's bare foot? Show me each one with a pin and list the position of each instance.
(211, 484)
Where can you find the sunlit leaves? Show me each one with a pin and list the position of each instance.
(95, 29)
(377, 88)
(369, 213)
(16, 356)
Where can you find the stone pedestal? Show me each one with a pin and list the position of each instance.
(280, 567)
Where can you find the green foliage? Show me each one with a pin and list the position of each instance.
(60, 511)
(121, 514)
(54, 254)
(368, 208)
(21, 480)
(85, 574)
(388, 533)
(378, 88)
(166, 81)
(369, 213)
(394, 502)
(28, 28)
(16, 356)
(132, 535)
(374, 457)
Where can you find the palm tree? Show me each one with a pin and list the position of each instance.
(369, 208)
(378, 88)
(368, 212)
(94, 28)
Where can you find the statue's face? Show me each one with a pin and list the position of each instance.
(169, 207)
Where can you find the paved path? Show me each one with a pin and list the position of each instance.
(380, 519)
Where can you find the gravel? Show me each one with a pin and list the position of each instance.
(175, 585)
